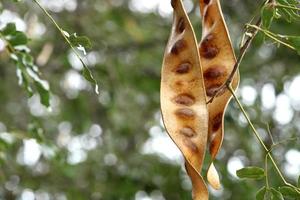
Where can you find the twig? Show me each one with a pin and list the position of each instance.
(243, 50)
(270, 134)
(266, 171)
(285, 6)
(91, 78)
(260, 140)
(272, 36)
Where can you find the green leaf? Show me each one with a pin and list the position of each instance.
(295, 42)
(23, 78)
(80, 41)
(267, 15)
(9, 29)
(260, 195)
(18, 38)
(289, 192)
(44, 93)
(276, 195)
(251, 172)
(299, 181)
(87, 74)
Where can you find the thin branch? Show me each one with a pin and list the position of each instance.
(272, 36)
(243, 50)
(270, 134)
(285, 6)
(267, 151)
(266, 171)
(69, 43)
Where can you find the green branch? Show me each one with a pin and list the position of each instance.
(268, 153)
(86, 71)
(272, 36)
(285, 6)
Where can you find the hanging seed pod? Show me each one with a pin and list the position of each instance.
(218, 59)
(183, 100)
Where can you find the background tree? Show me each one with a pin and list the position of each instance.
(113, 145)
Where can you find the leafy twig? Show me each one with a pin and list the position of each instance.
(260, 139)
(86, 72)
(285, 6)
(272, 36)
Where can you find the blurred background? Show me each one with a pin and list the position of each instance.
(113, 146)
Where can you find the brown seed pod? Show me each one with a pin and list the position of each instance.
(218, 59)
(183, 100)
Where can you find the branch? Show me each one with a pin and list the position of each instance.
(243, 51)
(267, 151)
(86, 71)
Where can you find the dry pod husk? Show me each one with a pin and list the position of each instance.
(183, 100)
(217, 59)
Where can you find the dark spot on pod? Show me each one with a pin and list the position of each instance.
(208, 49)
(183, 68)
(173, 3)
(187, 131)
(214, 72)
(206, 1)
(181, 25)
(213, 147)
(178, 47)
(191, 145)
(185, 99)
(185, 113)
(179, 83)
(211, 89)
(217, 122)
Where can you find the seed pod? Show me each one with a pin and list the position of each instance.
(183, 100)
(218, 59)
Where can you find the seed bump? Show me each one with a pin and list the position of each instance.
(187, 131)
(208, 49)
(178, 47)
(217, 122)
(214, 72)
(191, 145)
(183, 68)
(185, 99)
(185, 113)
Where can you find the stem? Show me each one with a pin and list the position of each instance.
(271, 35)
(285, 6)
(260, 139)
(243, 50)
(70, 44)
(266, 171)
(283, 141)
(248, 119)
(270, 134)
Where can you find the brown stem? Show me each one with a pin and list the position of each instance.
(243, 50)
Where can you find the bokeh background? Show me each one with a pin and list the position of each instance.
(113, 146)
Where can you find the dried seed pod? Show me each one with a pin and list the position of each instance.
(218, 59)
(183, 100)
